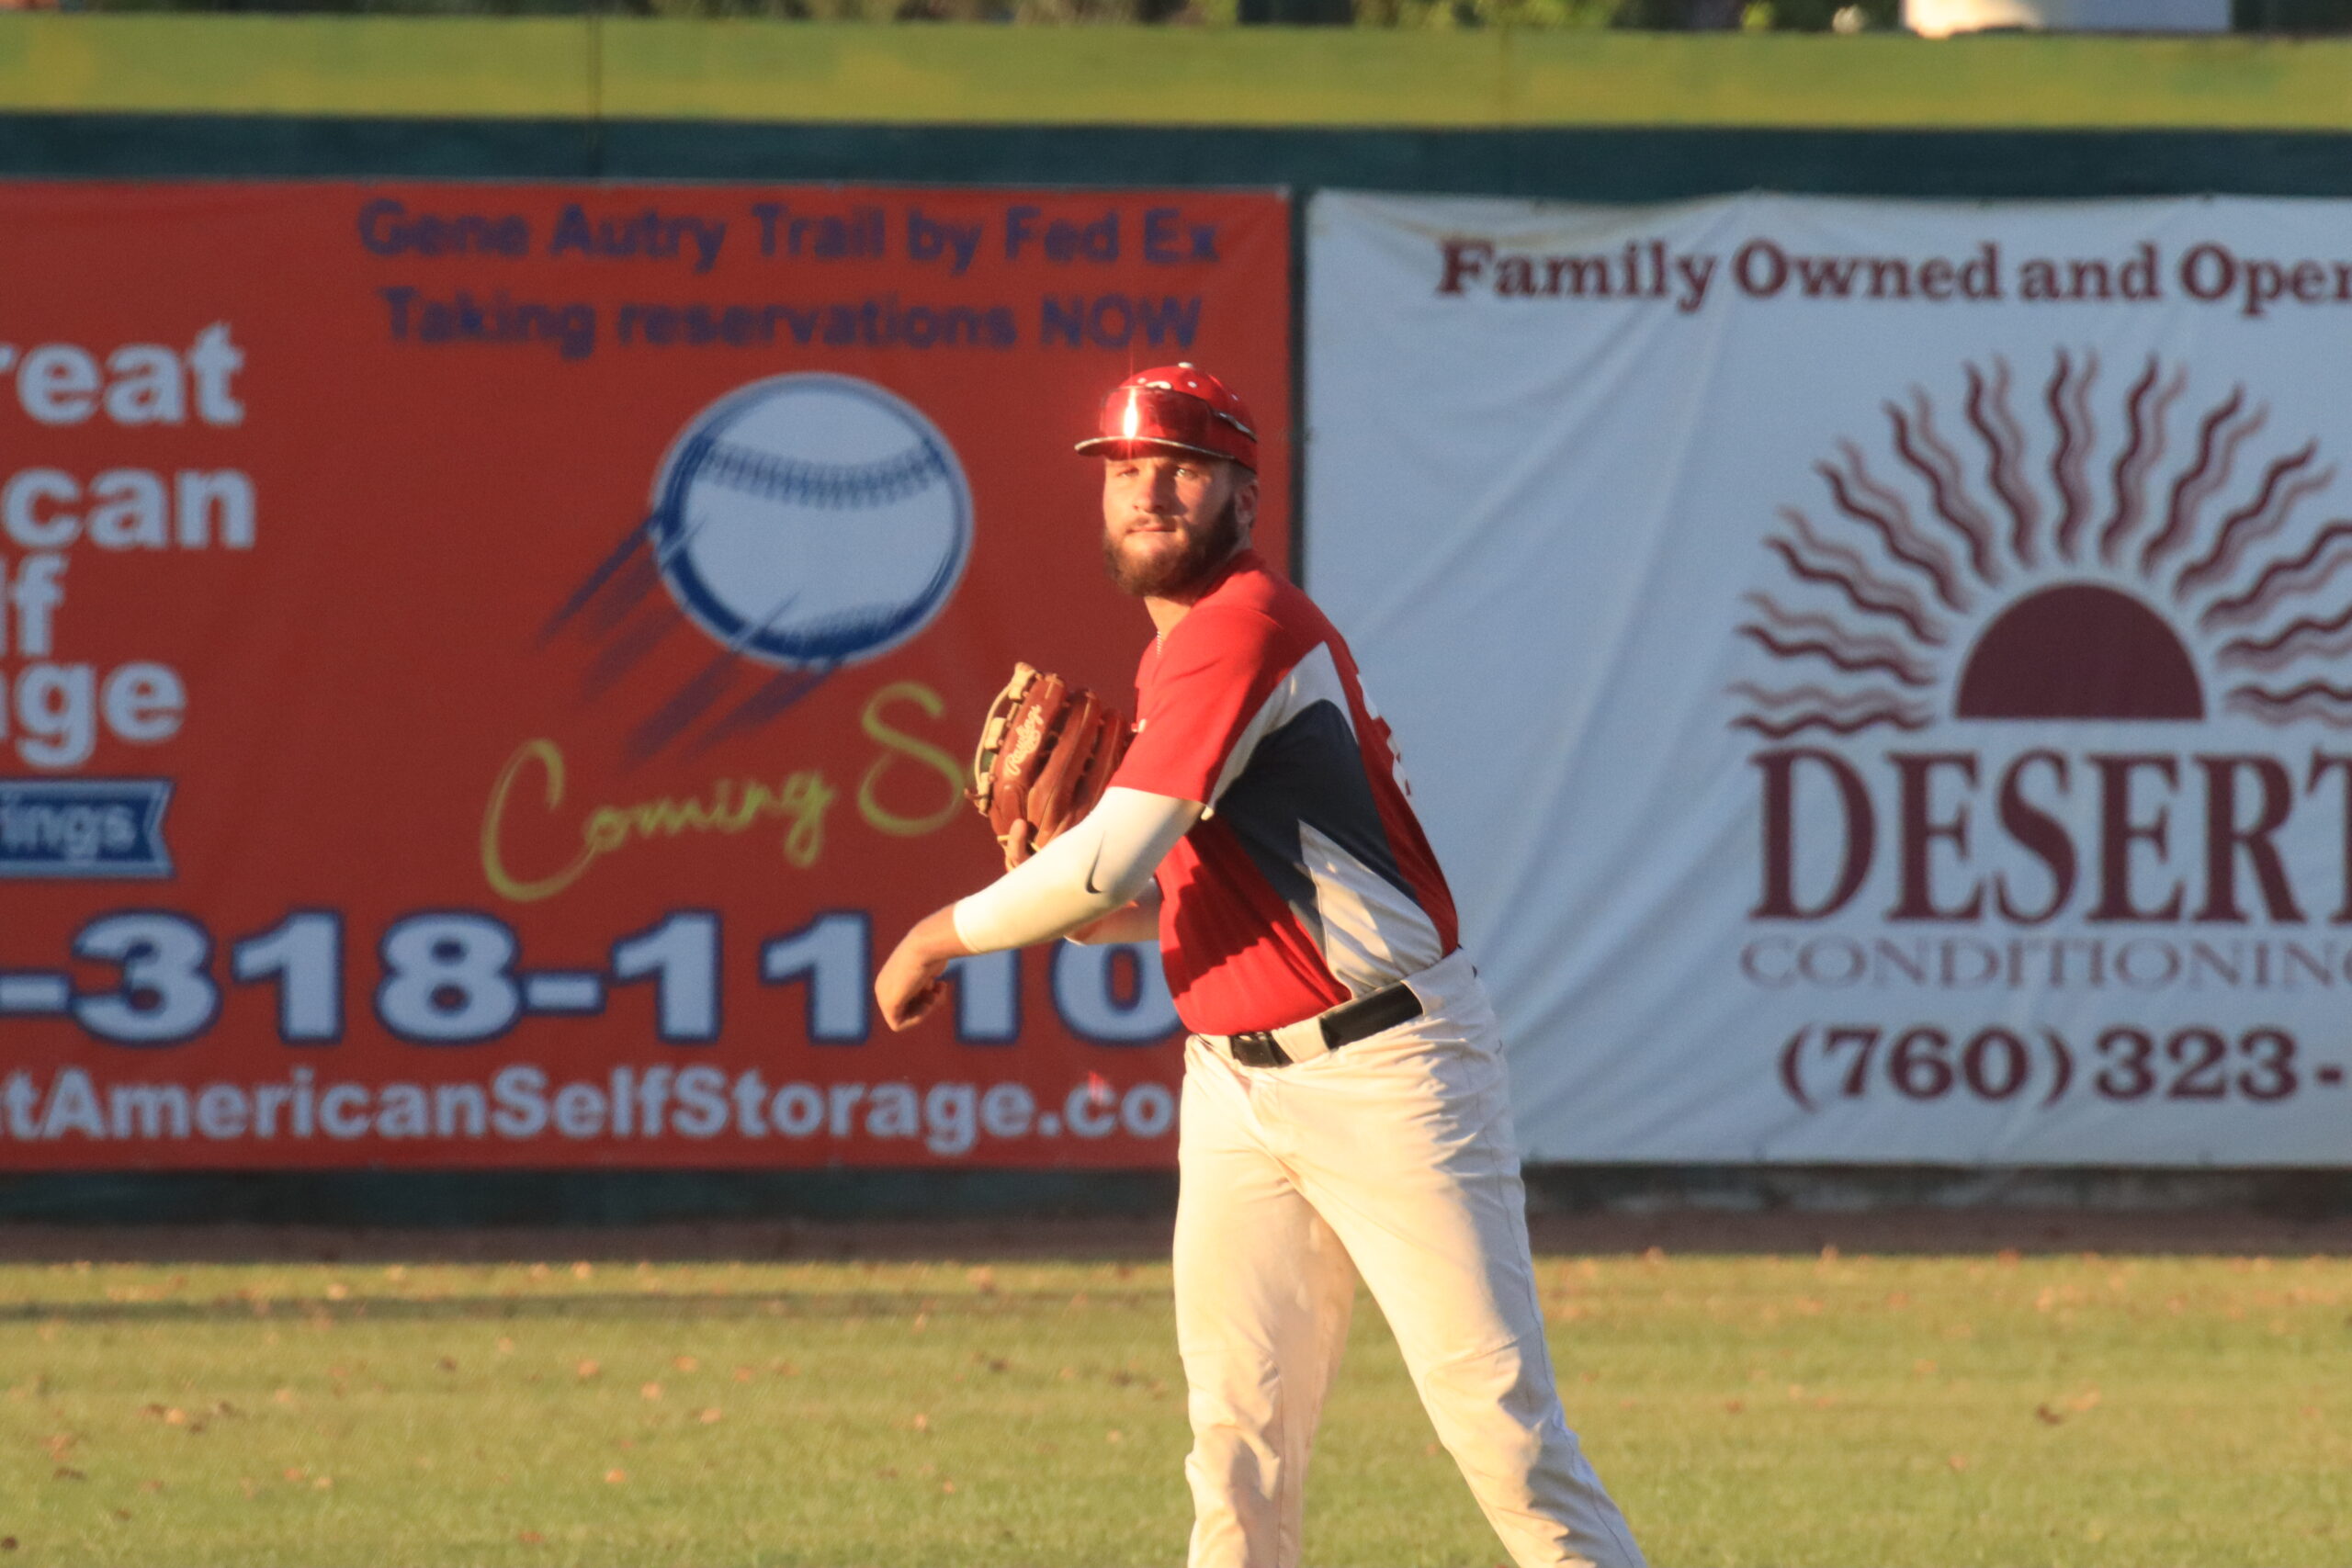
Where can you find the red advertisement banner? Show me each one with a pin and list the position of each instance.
(487, 670)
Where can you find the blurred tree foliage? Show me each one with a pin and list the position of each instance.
(2287, 17)
(1812, 16)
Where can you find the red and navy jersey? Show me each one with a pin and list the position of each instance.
(1308, 881)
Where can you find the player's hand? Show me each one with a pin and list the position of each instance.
(1017, 847)
(908, 985)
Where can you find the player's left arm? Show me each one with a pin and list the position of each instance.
(1087, 878)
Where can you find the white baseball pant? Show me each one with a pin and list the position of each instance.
(1392, 1157)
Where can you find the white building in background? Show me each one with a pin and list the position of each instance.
(1941, 18)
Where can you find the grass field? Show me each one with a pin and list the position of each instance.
(1787, 1410)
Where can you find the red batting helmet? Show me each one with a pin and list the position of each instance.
(1179, 406)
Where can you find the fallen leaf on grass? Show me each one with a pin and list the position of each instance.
(446, 1363)
(1958, 1463)
(743, 1374)
(2047, 1416)
(614, 1477)
(1734, 1406)
(948, 1487)
(588, 1368)
(284, 1396)
(67, 1473)
(650, 1391)
(583, 1270)
(921, 1422)
(529, 1537)
(711, 1416)
(685, 1363)
(322, 1483)
(1114, 1436)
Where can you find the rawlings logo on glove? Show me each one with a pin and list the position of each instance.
(1046, 754)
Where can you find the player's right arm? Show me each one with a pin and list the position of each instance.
(1139, 922)
(1088, 879)
(1095, 872)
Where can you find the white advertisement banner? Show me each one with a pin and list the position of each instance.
(1878, 675)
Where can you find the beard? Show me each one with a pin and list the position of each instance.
(1168, 577)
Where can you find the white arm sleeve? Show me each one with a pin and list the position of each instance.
(1098, 865)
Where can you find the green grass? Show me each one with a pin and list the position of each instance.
(1921, 1411)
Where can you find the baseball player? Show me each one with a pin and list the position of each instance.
(1344, 1110)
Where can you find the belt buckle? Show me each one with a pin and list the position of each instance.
(1258, 1048)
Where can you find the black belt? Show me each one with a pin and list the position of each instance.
(1343, 1026)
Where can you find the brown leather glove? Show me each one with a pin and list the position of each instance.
(1046, 754)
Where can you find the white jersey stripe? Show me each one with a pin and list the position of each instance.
(1371, 931)
(1313, 679)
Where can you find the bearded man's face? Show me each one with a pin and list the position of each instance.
(1171, 519)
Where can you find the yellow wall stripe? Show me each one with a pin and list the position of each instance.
(523, 67)
(781, 71)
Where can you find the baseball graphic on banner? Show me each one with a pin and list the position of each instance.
(811, 521)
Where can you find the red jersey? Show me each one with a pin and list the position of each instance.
(1308, 881)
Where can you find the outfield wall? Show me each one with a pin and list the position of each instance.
(1598, 116)
(186, 130)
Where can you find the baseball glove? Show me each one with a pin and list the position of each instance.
(1045, 755)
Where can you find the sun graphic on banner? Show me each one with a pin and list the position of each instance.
(1946, 585)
